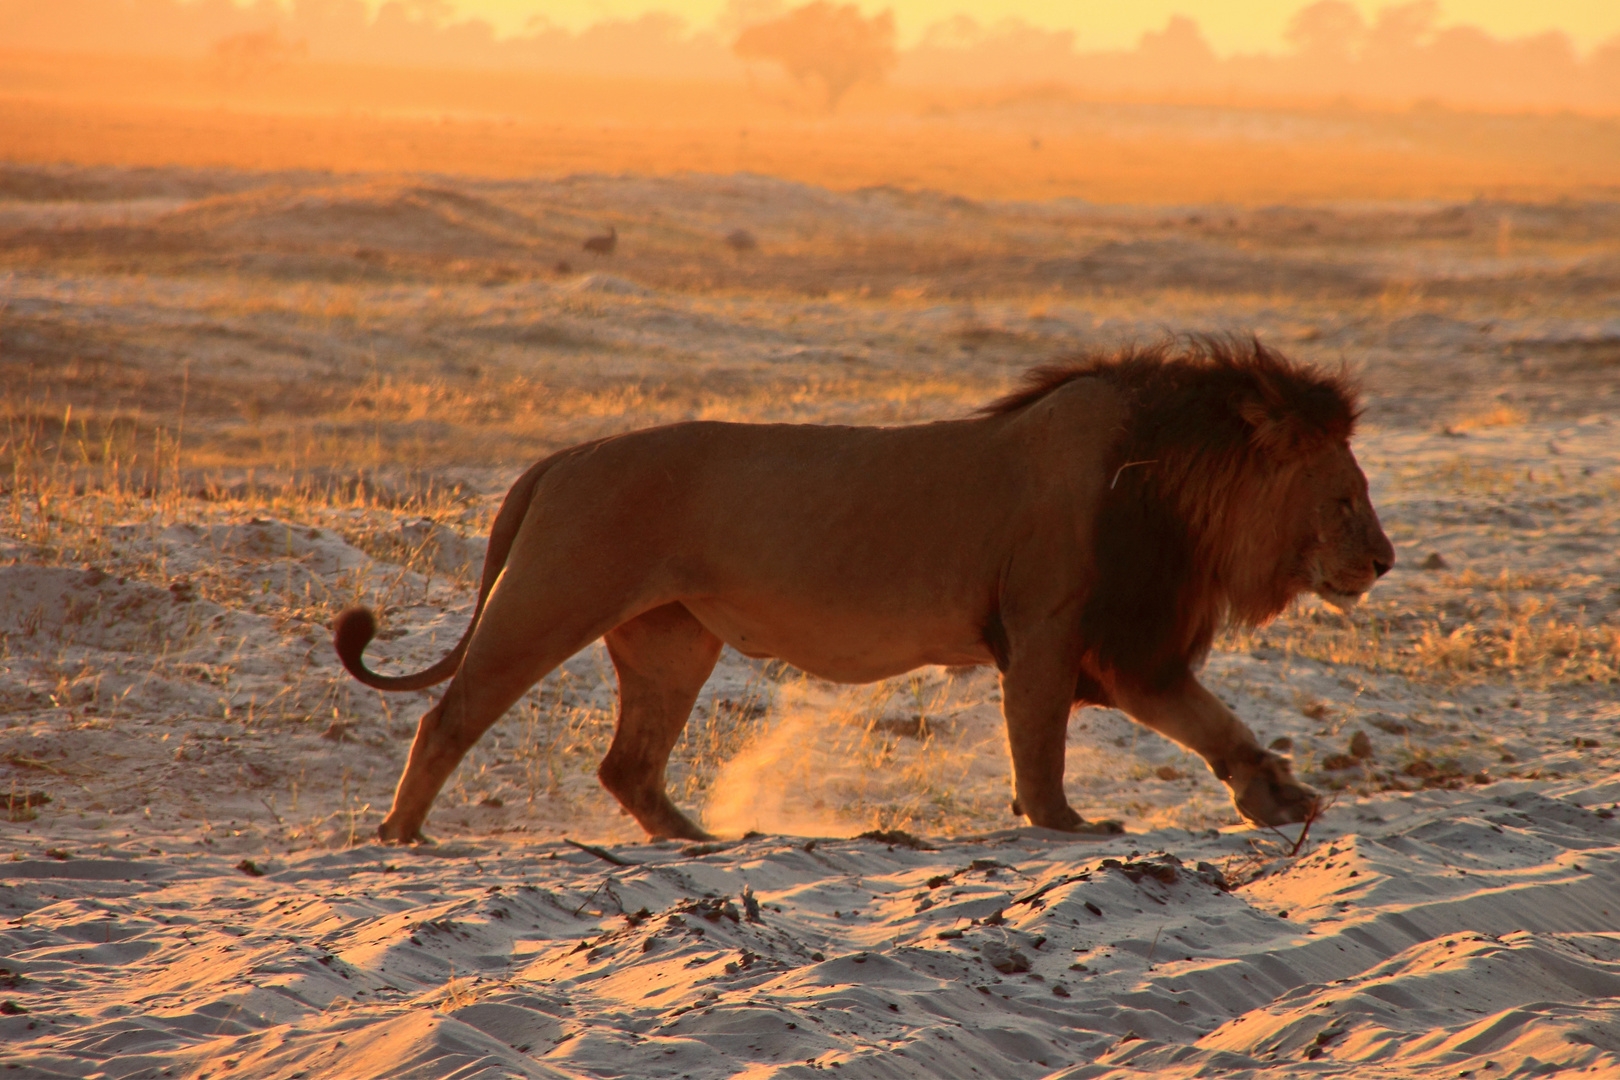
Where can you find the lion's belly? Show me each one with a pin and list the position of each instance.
(842, 648)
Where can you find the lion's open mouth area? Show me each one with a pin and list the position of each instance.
(1338, 599)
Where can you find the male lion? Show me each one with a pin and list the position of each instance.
(1087, 535)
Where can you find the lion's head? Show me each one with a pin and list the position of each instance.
(1341, 548)
(1232, 490)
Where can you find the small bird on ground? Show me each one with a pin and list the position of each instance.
(603, 245)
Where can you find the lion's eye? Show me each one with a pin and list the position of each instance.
(1348, 506)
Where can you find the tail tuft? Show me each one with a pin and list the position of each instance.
(352, 631)
(354, 628)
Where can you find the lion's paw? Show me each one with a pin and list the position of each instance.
(1105, 827)
(1067, 820)
(1271, 795)
(392, 836)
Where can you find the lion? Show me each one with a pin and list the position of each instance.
(1086, 535)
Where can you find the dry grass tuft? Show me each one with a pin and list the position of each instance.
(1497, 416)
(1521, 628)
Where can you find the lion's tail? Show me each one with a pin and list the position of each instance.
(354, 627)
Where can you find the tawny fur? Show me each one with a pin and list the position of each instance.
(1087, 535)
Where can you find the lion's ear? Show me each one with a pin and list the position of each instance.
(1274, 429)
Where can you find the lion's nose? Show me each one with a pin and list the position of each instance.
(1382, 568)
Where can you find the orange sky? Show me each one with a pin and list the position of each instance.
(1230, 25)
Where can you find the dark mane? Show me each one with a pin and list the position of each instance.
(1198, 525)
(1219, 366)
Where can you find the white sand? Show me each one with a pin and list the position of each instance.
(1427, 935)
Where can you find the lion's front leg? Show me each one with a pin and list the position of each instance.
(1037, 695)
(1262, 783)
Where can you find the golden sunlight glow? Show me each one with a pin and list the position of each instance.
(1232, 26)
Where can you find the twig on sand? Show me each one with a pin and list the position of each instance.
(605, 886)
(271, 806)
(601, 853)
(1319, 808)
(1263, 852)
(23, 761)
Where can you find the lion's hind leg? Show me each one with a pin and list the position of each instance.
(516, 644)
(663, 657)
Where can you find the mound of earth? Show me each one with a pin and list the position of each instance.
(380, 216)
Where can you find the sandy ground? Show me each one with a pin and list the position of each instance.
(292, 391)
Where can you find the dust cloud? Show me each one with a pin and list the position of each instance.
(792, 778)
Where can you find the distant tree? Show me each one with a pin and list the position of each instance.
(1180, 45)
(831, 43)
(1327, 30)
(738, 15)
(1542, 69)
(432, 12)
(960, 49)
(964, 33)
(257, 52)
(1605, 67)
(1401, 29)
